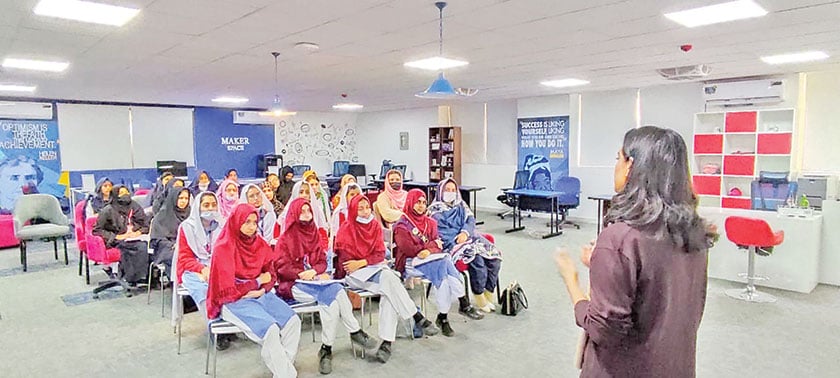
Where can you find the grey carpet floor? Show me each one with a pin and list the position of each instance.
(40, 336)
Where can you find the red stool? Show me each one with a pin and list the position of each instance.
(752, 234)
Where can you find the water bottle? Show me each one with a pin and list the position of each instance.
(803, 202)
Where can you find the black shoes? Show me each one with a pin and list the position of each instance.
(471, 313)
(429, 328)
(384, 352)
(362, 339)
(224, 341)
(444, 326)
(325, 360)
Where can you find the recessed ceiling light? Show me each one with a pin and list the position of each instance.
(436, 63)
(307, 46)
(717, 13)
(16, 88)
(230, 100)
(564, 83)
(35, 65)
(807, 56)
(86, 11)
(348, 106)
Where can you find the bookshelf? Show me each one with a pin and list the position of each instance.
(731, 148)
(444, 153)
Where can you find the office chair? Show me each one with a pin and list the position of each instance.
(383, 169)
(570, 186)
(340, 168)
(520, 180)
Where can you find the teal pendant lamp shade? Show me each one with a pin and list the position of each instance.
(440, 88)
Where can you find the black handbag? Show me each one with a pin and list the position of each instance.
(513, 299)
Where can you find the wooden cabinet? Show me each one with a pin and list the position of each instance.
(444, 153)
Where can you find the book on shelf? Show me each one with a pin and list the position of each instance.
(435, 146)
(451, 133)
(447, 147)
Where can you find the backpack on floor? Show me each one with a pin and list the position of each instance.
(513, 299)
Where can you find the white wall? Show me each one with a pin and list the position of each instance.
(821, 132)
(317, 139)
(378, 134)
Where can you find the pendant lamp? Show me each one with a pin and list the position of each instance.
(441, 88)
(276, 109)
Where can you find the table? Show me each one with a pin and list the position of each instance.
(794, 264)
(554, 225)
(472, 199)
(604, 202)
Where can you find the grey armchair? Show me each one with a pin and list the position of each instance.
(44, 207)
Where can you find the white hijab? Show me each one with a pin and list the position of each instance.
(335, 219)
(269, 217)
(317, 207)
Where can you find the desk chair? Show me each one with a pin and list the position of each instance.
(340, 168)
(383, 169)
(79, 231)
(520, 180)
(299, 169)
(100, 254)
(570, 186)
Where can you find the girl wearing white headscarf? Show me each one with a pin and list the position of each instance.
(339, 215)
(267, 222)
(304, 190)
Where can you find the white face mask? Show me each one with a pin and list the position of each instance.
(364, 220)
(231, 197)
(449, 196)
(203, 187)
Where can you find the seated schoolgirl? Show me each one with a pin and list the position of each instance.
(271, 194)
(346, 179)
(266, 218)
(361, 255)
(121, 224)
(301, 275)
(164, 230)
(100, 198)
(456, 225)
(303, 190)
(320, 194)
(228, 196)
(241, 273)
(203, 183)
(173, 185)
(390, 203)
(232, 175)
(339, 214)
(417, 238)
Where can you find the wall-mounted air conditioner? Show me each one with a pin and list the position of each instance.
(741, 93)
(250, 117)
(26, 110)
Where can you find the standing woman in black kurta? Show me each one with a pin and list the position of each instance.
(647, 268)
(121, 224)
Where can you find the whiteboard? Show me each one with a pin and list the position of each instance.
(162, 134)
(604, 118)
(94, 137)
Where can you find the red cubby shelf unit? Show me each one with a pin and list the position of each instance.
(707, 185)
(741, 122)
(739, 165)
(775, 143)
(708, 144)
(735, 203)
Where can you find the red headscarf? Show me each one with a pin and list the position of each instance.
(356, 239)
(235, 256)
(300, 238)
(422, 221)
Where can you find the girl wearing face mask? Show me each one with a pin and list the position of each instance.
(271, 194)
(240, 285)
(416, 236)
(175, 209)
(121, 224)
(172, 185)
(197, 236)
(228, 196)
(301, 264)
(390, 203)
(203, 183)
(456, 226)
(267, 219)
(361, 257)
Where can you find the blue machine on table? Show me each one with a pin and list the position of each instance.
(771, 190)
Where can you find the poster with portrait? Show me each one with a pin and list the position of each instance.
(29, 160)
(543, 150)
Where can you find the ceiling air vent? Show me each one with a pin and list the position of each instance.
(685, 72)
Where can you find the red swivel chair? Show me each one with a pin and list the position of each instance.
(79, 231)
(99, 253)
(753, 235)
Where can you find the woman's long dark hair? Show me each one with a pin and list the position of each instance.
(658, 196)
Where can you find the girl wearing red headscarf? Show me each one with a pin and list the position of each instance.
(240, 274)
(417, 238)
(361, 255)
(301, 275)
